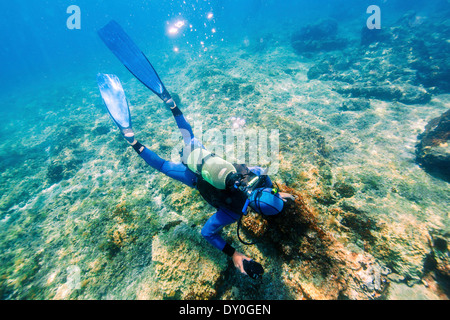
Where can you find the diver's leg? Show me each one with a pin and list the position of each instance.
(182, 123)
(176, 171)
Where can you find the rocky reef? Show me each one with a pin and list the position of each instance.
(318, 37)
(316, 265)
(397, 63)
(188, 274)
(433, 151)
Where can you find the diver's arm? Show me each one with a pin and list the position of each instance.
(211, 231)
(212, 228)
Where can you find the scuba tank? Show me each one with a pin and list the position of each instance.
(210, 167)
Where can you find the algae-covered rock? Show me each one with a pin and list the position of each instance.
(405, 93)
(404, 247)
(439, 260)
(355, 105)
(345, 190)
(433, 151)
(184, 266)
(318, 37)
(316, 265)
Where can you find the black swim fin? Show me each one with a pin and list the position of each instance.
(132, 58)
(253, 269)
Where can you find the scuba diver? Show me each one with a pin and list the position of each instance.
(231, 188)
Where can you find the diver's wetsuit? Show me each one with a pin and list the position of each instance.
(178, 171)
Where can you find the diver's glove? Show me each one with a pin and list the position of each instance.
(253, 269)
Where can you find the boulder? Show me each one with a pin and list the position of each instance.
(190, 269)
(355, 105)
(433, 150)
(369, 36)
(318, 37)
(406, 94)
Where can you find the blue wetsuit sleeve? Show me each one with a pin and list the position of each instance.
(185, 128)
(177, 171)
(213, 227)
(152, 159)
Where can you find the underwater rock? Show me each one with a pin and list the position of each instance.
(440, 260)
(404, 55)
(388, 36)
(189, 269)
(324, 29)
(293, 224)
(388, 93)
(404, 246)
(318, 37)
(344, 189)
(355, 105)
(62, 168)
(121, 233)
(55, 172)
(345, 274)
(317, 266)
(231, 90)
(436, 74)
(414, 95)
(101, 130)
(406, 94)
(369, 36)
(319, 70)
(340, 67)
(433, 150)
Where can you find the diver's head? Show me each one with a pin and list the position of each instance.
(266, 201)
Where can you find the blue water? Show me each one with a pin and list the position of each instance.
(38, 47)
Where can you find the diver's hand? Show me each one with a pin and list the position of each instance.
(238, 260)
(286, 196)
